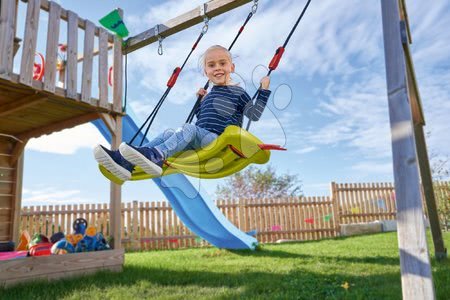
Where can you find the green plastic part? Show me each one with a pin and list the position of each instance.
(114, 22)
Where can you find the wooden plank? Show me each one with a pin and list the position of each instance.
(153, 226)
(336, 208)
(182, 22)
(20, 104)
(72, 54)
(430, 200)
(103, 68)
(142, 228)
(6, 187)
(105, 218)
(17, 187)
(135, 221)
(29, 42)
(86, 78)
(164, 223)
(52, 47)
(7, 29)
(117, 74)
(31, 267)
(175, 229)
(415, 266)
(147, 224)
(68, 123)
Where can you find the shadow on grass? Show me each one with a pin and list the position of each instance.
(381, 260)
(296, 284)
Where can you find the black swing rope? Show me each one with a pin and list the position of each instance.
(278, 54)
(199, 98)
(170, 83)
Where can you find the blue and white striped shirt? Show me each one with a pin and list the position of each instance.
(226, 105)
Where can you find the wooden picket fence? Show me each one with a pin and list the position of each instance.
(154, 225)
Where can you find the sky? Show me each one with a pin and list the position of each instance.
(328, 106)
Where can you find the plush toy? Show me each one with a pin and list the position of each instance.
(24, 240)
(57, 237)
(40, 249)
(62, 247)
(38, 239)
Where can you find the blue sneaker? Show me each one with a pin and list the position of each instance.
(114, 162)
(149, 159)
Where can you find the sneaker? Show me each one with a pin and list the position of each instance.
(149, 159)
(113, 162)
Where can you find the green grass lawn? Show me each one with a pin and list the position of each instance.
(308, 270)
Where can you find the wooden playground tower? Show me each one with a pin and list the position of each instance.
(30, 108)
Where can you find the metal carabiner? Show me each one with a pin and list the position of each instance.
(203, 9)
(255, 6)
(206, 26)
(160, 47)
(160, 40)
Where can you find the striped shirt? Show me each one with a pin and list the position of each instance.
(226, 105)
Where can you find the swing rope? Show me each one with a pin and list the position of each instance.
(170, 83)
(278, 55)
(241, 29)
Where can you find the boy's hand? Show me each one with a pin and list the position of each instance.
(265, 82)
(201, 92)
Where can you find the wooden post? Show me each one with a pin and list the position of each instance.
(427, 182)
(415, 266)
(17, 198)
(336, 209)
(117, 71)
(116, 191)
(7, 31)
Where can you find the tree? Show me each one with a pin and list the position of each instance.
(259, 183)
(441, 171)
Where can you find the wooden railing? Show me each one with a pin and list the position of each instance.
(154, 225)
(67, 70)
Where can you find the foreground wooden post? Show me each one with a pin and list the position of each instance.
(415, 267)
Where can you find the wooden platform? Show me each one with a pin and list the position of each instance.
(27, 112)
(55, 267)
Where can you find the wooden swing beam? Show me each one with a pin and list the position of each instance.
(211, 9)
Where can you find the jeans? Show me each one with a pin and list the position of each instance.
(187, 137)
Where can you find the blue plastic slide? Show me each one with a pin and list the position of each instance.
(193, 206)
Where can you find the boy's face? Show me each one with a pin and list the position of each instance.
(218, 66)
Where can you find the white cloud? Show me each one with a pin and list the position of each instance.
(68, 141)
(52, 196)
(305, 150)
(372, 167)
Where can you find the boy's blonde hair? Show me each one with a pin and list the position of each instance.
(217, 47)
